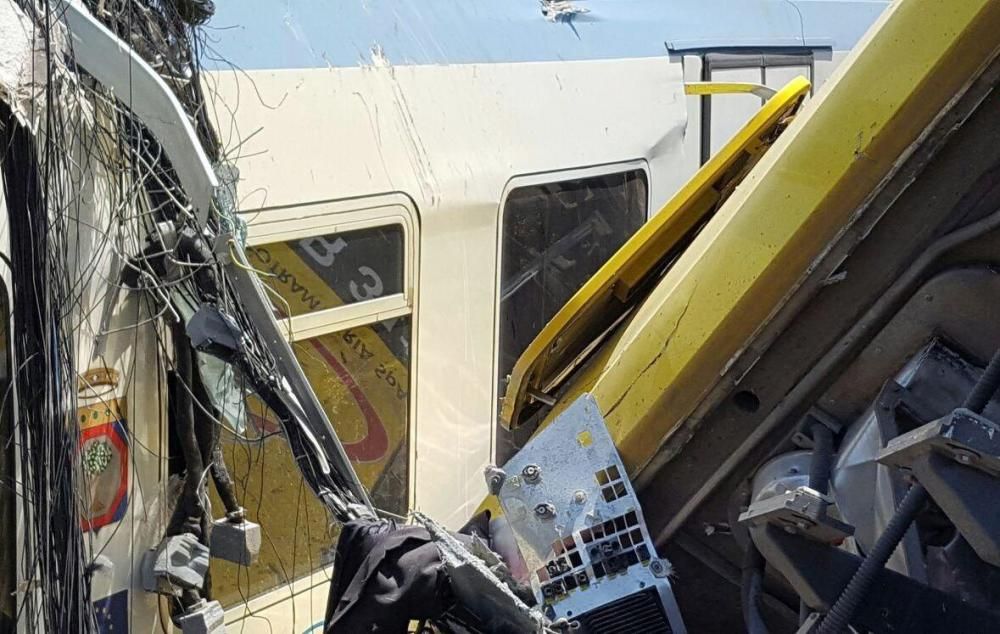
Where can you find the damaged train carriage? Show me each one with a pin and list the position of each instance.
(136, 328)
(167, 331)
(807, 398)
(490, 173)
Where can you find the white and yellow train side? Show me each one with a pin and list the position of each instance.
(425, 186)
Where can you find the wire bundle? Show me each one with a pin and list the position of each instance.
(90, 186)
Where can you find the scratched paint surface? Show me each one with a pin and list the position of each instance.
(269, 34)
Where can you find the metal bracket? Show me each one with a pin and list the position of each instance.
(803, 437)
(963, 436)
(801, 511)
(957, 458)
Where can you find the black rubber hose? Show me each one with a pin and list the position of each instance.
(822, 458)
(751, 588)
(850, 599)
(190, 513)
(986, 386)
(192, 248)
(820, 467)
(209, 437)
(224, 482)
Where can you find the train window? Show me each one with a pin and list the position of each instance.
(319, 272)
(554, 237)
(360, 371)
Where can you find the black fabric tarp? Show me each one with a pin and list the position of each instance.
(384, 576)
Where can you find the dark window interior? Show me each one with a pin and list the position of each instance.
(555, 237)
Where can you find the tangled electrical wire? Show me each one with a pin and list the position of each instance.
(79, 138)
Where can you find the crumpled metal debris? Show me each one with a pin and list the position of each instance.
(561, 10)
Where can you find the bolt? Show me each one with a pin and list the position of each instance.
(580, 496)
(658, 568)
(545, 511)
(531, 473)
(494, 479)
(964, 457)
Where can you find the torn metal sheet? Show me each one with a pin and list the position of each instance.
(561, 10)
(478, 589)
(22, 55)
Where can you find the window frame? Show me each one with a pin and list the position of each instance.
(747, 59)
(277, 224)
(280, 224)
(528, 180)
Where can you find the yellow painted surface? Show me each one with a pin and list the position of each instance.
(805, 190)
(793, 204)
(610, 293)
(727, 88)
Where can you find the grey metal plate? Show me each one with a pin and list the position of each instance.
(590, 547)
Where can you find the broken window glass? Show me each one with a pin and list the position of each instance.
(361, 375)
(555, 237)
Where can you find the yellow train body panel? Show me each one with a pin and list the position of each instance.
(615, 288)
(746, 262)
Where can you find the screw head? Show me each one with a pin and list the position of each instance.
(531, 473)
(580, 496)
(545, 511)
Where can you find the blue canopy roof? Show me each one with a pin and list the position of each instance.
(269, 34)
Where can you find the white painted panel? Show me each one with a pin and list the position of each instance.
(777, 76)
(693, 66)
(730, 112)
(824, 66)
(451, 138)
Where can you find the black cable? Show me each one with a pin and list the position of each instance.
(751, 588)
(188, 516)
(209, 430)
(850, 599)
(820, 467)
(822, 459)
(47, 430)
(195, 12)
(224, 482)
(985, 387)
